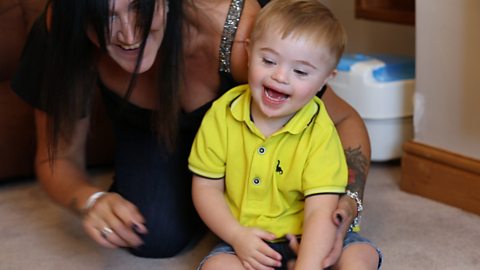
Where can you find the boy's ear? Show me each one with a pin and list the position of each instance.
(331, 76)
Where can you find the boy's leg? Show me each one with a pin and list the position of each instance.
(359, 253)
(358, 256)
(220, 257)
(223, 257)
(222, 261)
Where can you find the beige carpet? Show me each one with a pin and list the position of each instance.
(413, 232)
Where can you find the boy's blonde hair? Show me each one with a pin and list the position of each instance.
(308, 19)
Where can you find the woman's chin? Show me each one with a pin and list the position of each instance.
(130, 66)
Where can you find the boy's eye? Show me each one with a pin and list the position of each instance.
(300, 72)
(267, 61)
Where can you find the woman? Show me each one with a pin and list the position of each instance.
(159, 65)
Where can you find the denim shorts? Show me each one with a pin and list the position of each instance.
(287, 253)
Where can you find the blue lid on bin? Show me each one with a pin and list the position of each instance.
(396, 67)
(348, 60)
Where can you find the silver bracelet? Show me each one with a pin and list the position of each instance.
(93, 199)
(358, 201)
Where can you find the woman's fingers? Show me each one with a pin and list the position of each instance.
(97, 236)
(293, 243)
(114, 222)
(130, 215)
(98, 225)
(125, 224)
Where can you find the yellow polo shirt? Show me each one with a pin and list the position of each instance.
(267, 179)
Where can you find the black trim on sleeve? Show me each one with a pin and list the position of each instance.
(325, 193)
(209, 178)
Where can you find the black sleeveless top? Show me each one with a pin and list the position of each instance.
(123, 111)
(27, 78)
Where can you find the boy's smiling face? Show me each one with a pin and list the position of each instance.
(285, 74)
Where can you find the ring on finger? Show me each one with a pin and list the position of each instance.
(105, 231)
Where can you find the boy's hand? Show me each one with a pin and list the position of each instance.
(253, 252)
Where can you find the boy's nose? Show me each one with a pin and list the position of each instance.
(280, 75)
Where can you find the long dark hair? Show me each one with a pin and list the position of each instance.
(70, 73)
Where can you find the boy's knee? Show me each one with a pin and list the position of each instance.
(359, 256)
(219, 261)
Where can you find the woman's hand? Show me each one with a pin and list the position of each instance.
(114, 222)
(294, 246)
(253, 252)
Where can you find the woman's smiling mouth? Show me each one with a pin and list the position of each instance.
(130, 47)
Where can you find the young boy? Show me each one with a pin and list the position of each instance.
(267, 160)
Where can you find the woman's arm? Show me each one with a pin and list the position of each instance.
(208, 198)
(318, 231)
(356, 144)
(66, 181)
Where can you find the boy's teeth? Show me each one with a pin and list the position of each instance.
(274, 95)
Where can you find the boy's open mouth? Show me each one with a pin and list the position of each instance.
(275, 96)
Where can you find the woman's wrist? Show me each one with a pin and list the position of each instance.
(92, 200)
(357, 208)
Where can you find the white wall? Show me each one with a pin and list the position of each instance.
(447, 103)
(365, 36)
(446, 44)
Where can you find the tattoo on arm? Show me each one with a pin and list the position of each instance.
(357, 164)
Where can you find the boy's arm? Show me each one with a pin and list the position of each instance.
(318, 231)
(208, 198)
(209, 201)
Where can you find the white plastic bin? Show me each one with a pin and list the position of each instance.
(380, 88)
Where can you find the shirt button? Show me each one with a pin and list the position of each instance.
(256, 181)
(261, 150)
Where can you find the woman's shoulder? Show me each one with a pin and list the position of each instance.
(239, 58)
(247, 20)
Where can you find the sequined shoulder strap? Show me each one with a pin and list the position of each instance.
(229, 31)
